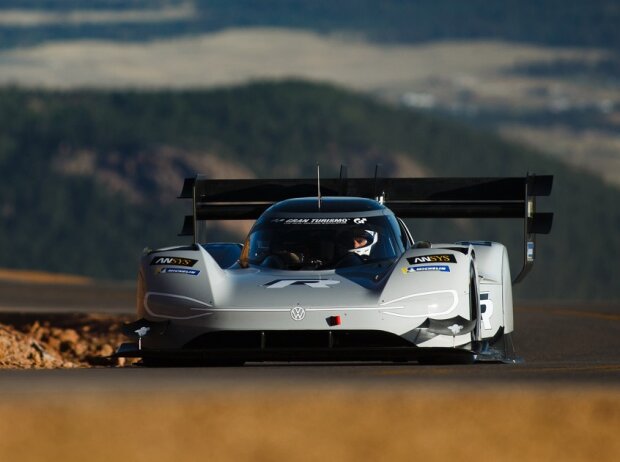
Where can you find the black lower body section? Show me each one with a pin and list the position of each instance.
(240, 355)
(237, 347)
(234, 347)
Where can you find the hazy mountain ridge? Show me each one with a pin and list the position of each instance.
(59, 219)
(549, 22)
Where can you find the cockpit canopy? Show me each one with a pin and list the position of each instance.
(315, 242)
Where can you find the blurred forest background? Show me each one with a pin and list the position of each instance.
(592, 23)
(91, 169)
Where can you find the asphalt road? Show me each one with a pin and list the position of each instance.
(103, 297)
(561, 343)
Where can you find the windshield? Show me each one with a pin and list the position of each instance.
(320, 243)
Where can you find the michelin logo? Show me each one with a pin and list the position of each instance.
(417, 269)
(191, 272)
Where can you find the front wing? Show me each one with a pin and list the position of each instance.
(234, 347)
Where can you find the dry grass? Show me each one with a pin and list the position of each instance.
(308, 425)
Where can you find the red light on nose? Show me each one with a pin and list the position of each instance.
(334, 321)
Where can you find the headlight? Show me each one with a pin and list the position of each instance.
(423, 305)
(170, 306)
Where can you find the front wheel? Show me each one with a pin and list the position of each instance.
(474, 304)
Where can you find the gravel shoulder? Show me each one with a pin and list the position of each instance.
(33, 340)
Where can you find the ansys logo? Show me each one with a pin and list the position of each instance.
(444, 258)
(174, 261)
(314, 283)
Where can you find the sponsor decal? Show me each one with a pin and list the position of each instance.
(443, 258)
(530, 251)
(486, 310)
(455, 329)
(191, 272)
(417, 269)
(298, 313)
(318, 221)
(173, 261)
(314, 283)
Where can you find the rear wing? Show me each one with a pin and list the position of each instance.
(509, 197)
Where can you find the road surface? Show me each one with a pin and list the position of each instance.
(560, 343)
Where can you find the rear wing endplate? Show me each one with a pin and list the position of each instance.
(508, 197)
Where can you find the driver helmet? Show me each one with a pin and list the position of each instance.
(363, 241)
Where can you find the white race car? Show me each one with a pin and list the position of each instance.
(331, 272)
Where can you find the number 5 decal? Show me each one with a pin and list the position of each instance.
(486, 309)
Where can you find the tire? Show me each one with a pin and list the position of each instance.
(474, 303)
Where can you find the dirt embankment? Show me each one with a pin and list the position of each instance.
(60, 340)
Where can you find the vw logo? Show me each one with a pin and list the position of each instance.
(298, 313)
